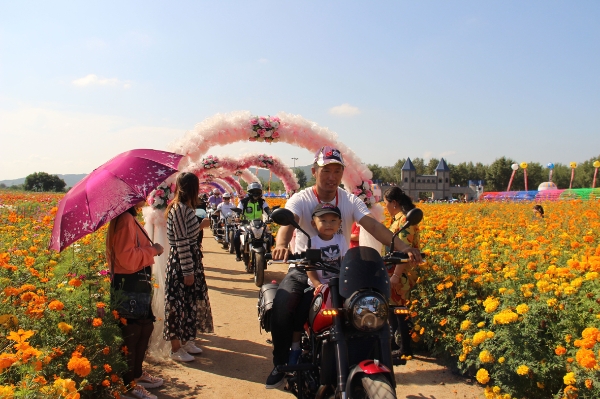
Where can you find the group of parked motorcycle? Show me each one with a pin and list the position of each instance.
(346, 343)
(256, 239)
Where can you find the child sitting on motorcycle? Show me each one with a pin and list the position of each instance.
(327, 220)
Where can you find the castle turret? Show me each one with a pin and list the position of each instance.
(409, 174)
(442, 173)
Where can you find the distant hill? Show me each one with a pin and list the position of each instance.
(71, 179)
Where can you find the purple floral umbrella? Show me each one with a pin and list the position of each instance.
(108, 191)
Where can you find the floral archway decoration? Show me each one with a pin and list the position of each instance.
(223, 129)
(227, 166)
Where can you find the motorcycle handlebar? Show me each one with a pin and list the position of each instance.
(398, 257)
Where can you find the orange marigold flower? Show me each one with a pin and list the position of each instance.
(106, 383)
(56, 305)
(115, 314)
(79, 365)
(114, 378)
(586, 358)
(7, 360)
(97, 322)
(29, 261)
(123, 321)
(74, 282)
(40, 380)
(106, 350)
(125, 350)
(589, 384)
(107, 368)
(560, 350)
(100, 305)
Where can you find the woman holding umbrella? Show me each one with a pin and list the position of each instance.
(187, 308)
(130, 254)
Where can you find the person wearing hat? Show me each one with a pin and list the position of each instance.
(252, 205)
(328, 170)
(225, 206)
(215, 198)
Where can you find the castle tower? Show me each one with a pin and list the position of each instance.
(408, 175)
(442, 173)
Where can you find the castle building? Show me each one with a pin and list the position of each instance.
(436, 187)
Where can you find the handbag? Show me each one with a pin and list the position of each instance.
(131, 294)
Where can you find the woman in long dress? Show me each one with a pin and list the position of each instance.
(187, 307)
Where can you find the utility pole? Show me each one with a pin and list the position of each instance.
(295, 159)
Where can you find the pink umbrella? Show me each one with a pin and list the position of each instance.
(108, 191)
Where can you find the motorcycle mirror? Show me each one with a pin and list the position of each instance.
(285, 217)
(413, 218)
(236, 210)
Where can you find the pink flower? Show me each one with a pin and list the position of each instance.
(275, 135)
(150, 200)
(369, 194)
(266, 124)
(160, 192)
(254, 121)
(357, 191)
(275, 119)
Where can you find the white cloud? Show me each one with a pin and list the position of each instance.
(55, 141)
(95, 80)
(447, 153)
(427, 155)
(344, 110)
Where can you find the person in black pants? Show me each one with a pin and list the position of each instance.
(328, 169)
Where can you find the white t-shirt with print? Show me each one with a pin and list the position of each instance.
(332, 252)
(225, 209)
(303, 203)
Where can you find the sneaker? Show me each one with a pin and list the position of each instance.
(190, 347)
(149, 381)
(275, 380)
(140, 392)
(181, 356)
(238, 259)
(294, 357)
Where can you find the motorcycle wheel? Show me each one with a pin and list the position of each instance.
(374, 386)
(246, 258)
(259, 269)
(231, 246)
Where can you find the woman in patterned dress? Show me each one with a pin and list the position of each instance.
(187, 308)
(402, 278)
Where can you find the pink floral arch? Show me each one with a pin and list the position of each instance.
(223, 129)
(219, 166)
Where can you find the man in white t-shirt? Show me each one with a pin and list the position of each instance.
(225, 206)
(328, 169)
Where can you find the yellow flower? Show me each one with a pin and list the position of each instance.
(501, 360)
(465, 308)
(465, 325)
(522, 308)
(65, 328)
(479, 337)
(486, 357)
(481, 324)
(483, 377)
(569, 378)
(522, 370)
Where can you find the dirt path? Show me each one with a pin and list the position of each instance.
(237, 359)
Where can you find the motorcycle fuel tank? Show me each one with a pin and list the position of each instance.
(317, 320)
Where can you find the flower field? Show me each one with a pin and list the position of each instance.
(511, 299)
(58, 337)
(514, 300)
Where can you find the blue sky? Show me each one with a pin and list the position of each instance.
(465, 80)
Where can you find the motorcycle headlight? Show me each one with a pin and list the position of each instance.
(257, 231)
(367, 311)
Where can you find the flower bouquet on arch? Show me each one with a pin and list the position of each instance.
(210, 162)
(265, 161)
(364, 192)
(162, 196)
(264, 128)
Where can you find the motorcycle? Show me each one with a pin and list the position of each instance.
(346, 343)
(230, 225)
(256, 241)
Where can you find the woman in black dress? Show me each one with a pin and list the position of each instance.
(187, 307)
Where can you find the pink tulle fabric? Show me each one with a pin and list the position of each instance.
(232, 127)
(227, 166)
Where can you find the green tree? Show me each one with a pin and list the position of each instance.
(42, 181)
(419, 164)
(301, 176)
(431, 165)
(498, 174)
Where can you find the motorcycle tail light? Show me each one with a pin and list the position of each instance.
(367, 311)
(401, 310)
(329, 312)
